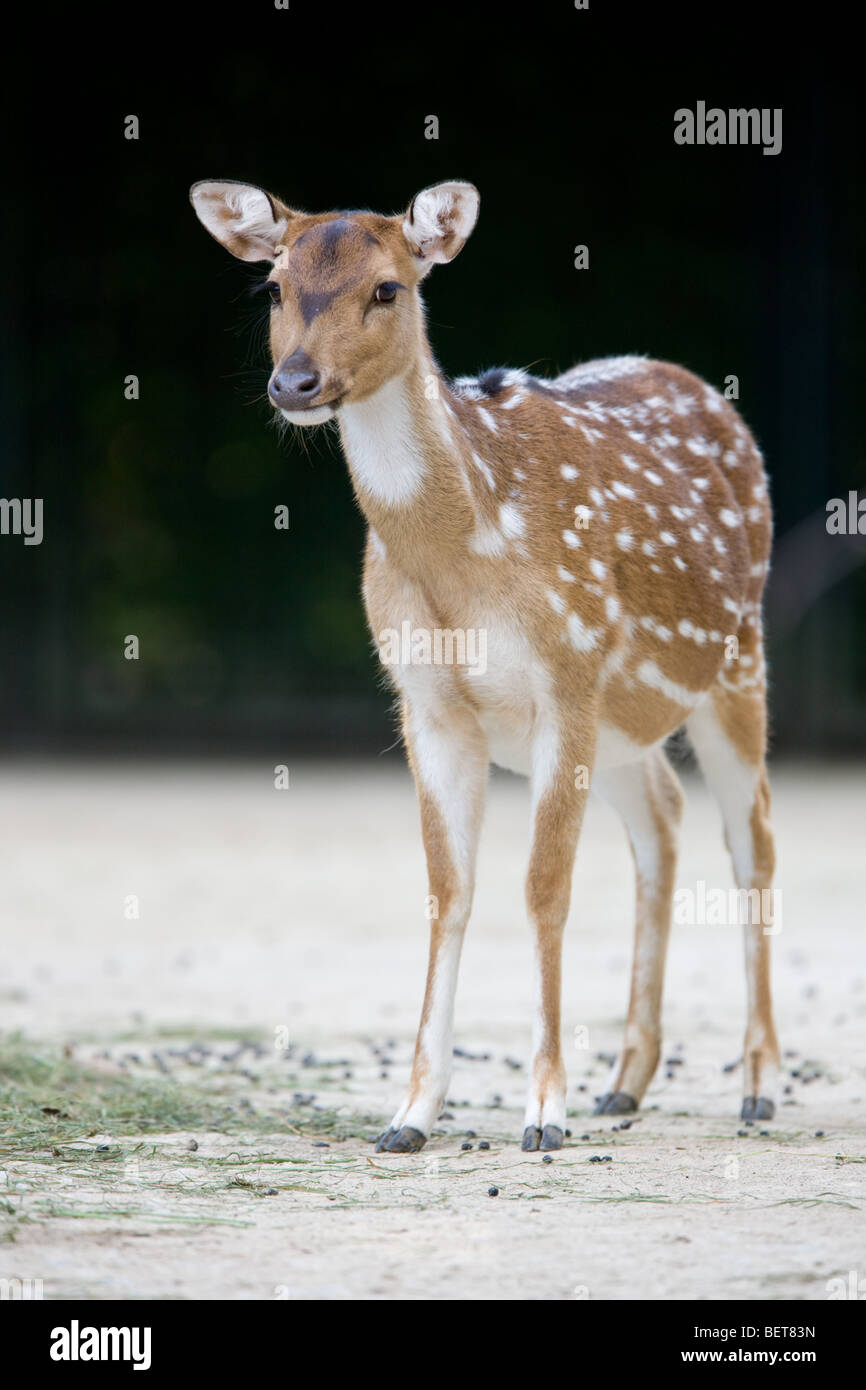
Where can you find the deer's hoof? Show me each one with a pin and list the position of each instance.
(551, 1137)
(405, 1140)
(531, 1139)
(616, 1103)
(757, 1108)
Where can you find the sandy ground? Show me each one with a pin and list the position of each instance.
(302, 911)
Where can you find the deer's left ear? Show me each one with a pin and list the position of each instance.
(439, 221)
(247, 221)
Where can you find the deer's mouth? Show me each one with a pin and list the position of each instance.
(316, 413)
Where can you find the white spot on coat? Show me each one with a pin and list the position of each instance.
(582, 638)
(511, 521)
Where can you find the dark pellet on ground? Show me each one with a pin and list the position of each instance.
(819, 1134)
(465, 1147)
(742, 1133)
(484, 1144)
(763, 1132)
(320, 1144)
(548, 1158)
(568, 1134)
(270, 1192)
(470, 1134)
(446, 1115)
(581, 1086)
(192, 1145)
(625, 1124)
(493, 1191)
(584, 1136)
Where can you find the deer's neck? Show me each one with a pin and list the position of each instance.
(405, 451)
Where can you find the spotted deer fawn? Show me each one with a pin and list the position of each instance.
(609, 531)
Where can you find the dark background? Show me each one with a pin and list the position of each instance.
(159, 513)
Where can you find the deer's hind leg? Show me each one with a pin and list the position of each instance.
(728, 734)
(649, 800)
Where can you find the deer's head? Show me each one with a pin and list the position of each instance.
(345, 313)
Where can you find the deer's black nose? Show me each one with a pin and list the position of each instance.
(295, 383)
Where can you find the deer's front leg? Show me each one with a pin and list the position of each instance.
(561, 764)
(449, 761)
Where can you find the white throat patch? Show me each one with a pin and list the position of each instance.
(381, 446)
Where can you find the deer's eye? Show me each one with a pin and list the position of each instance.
(273, 291)
(387, 291)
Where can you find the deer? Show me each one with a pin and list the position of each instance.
(609, 531)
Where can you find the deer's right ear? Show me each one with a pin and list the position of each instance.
(245, 219)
